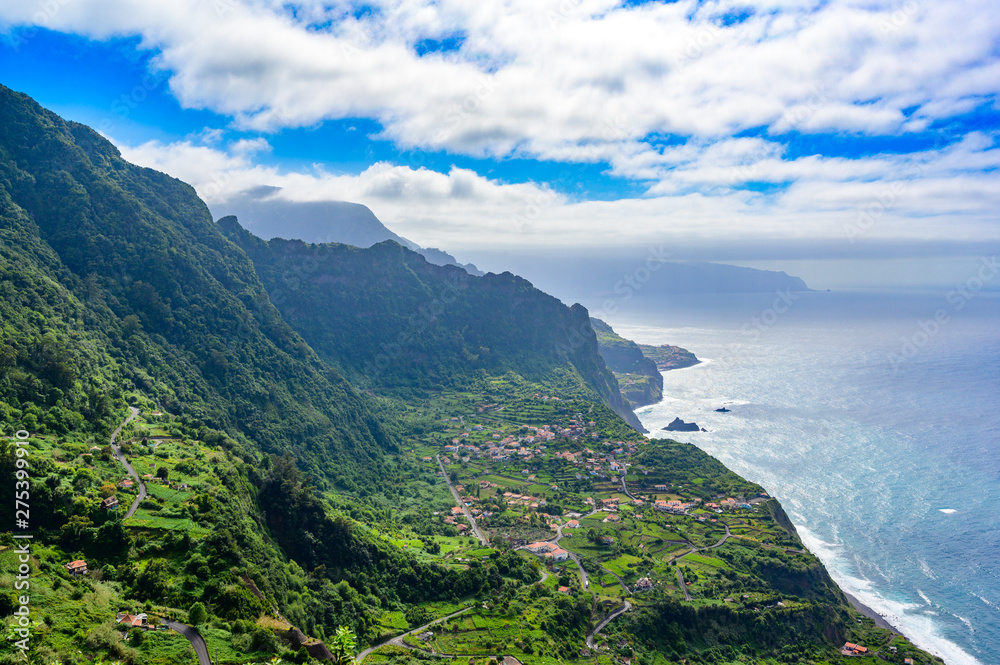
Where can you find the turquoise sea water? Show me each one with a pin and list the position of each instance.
(879, 433)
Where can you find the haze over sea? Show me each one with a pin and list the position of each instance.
(878, 434)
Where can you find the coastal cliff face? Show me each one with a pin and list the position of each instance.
(639, 379)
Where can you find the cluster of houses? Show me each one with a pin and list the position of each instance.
(527, 447)
(523, 500)
(728, 504)
(548, 551)
(674, 506)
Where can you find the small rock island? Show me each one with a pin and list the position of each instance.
(678, 425)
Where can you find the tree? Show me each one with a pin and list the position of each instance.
(197, 614)
(342, 646)
(162, 472)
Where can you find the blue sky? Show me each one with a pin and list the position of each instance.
(784, 127)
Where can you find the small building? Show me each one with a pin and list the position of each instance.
(110, 503)
(851, 649)
(559, 554)
(644, 584)
(133, 620)
(125, 484)
(78, 567)
(564, 589)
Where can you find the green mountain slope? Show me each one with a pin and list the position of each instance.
(119, 282)
(392, 320)
(117, 289)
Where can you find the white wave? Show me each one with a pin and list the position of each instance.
(948, 511)
(926, 599)
(993, 605)
(926, 569)
(911, 618)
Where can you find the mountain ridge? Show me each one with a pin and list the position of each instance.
(423, 325)
(266, 215)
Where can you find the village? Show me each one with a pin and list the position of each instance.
(582, 502)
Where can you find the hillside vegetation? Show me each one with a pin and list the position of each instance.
(392, 320)
(317, 445)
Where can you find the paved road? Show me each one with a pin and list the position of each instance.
(461, 504)
(195, 638)
(584, 580)
(620, 580)
(398, 640)
(625, 489)
(133, 412)
(684, 587)
(721, 541)
(705, 549)
(608, 619)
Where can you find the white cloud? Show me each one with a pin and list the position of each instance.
(250, 146)
(931, 196)
(587, 81)
(541, 78)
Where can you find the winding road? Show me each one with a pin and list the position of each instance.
(584, 580)
(625, 489)
(195, 638)
(461, 504)
(694, 549)
(604, 622)
(398, 640)
(117, 451)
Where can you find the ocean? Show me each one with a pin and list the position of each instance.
(874, 418)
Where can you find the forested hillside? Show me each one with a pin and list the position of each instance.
(118, 284)
(392, 320)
